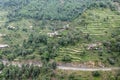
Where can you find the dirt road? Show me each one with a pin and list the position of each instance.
(62, 67)
(88, 69)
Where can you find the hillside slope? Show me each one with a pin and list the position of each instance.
(57, 34)
(51, 10)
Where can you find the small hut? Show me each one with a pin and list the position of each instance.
(3, 46)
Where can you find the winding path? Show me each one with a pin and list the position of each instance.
(62, 67)
(88, 69)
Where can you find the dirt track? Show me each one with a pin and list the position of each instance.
(62, 67)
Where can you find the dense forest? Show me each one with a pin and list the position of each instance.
(51, 10)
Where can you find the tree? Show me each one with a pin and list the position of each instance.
(66, 58)
(53, 65)
(96, 74)
(1, 65)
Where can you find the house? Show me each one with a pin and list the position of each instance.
(3, 46)
(93, 46)
(31, 26)
(2, 35)
(66, 27)
(52, 34)
(11, 27)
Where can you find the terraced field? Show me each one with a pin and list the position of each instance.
(99, 25)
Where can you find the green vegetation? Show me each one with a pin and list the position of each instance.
(101, 25)
(59, 31)
(51, 10)
(27, 71)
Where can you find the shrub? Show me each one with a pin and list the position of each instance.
(96, 74)
(66, 58)
(111, 61)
